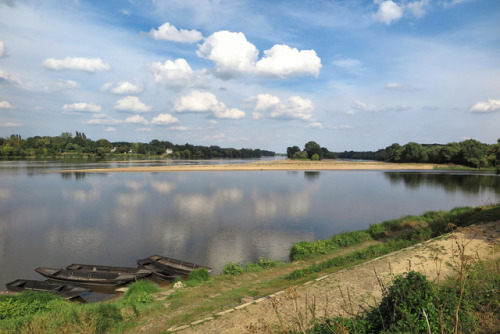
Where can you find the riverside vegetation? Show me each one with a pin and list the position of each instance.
(411, 304)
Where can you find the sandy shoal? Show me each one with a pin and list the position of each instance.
(269, 166)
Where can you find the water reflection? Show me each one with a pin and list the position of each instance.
(450, 182)
(311, 176)
(208, 217)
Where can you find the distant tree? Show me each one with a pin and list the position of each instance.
(472, 153)
(290, 151)
(414, 152)
(313, 148)
(300, 155)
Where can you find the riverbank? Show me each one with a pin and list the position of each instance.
(273, 296)
(275, 165)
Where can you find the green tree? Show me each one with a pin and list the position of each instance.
(414, 152)
(313, 148)
(290, 151)
(472, 153)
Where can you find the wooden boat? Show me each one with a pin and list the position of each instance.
(178, 266)
(164, 274)
(66, 291)
(87, 277)
(138, 272)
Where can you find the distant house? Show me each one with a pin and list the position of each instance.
(169, 151)
(113, 149)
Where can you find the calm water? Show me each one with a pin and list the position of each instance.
(211, 218)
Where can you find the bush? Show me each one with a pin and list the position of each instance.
(198, 276)
(233, 269)
(315, 157)
(307, 249)
(140, 292)
(25, 303)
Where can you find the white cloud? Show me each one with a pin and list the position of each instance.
(5, 105)
(136, 119)
(132, 103)
(170, 33)
(82, 106)
(361, 106)
(178, 128)
(417, 8)
(3, 49)
(317, 125)
(122, 88)
(110, 129)
(175, 74)
(347, 63)
(295, 107)
(282, 61)
(233, 55)
(388, 11)
(59, 85)
(197, 101)
(164, 119)
(483, 107)
(89, 65)
(144, 129)
(398, 86)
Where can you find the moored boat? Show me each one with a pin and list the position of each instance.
(162, 273)
(178, 266)
(86, 277)
(66, 291)
(138, 272)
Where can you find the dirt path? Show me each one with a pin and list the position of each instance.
(345, 291)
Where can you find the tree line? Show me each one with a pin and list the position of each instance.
(312, 151)
(67, 144)
(469, 152)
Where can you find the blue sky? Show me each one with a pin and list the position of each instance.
(351, 75)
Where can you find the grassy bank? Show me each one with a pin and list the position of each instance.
(205, 295)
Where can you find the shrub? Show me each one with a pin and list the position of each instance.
(233, 269)
(26, 303)
(315, 157)
(140, 292)
(198, 276)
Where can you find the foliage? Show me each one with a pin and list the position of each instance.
(238, 268)
(313, 148)
(306, 249)
(26, 303)
(140, 292)
(198, 276)
(66, 144)
(402, 307)
(469, 152)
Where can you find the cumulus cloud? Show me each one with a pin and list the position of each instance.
(484, 107)
(232, 54)
(175, 74)
(197, 101)
(282, 61)
(136, 119)
(294, 107)
(82, 107)
(388, 11)
(164, 119)
(122, 88)
(132, 103)
(90, 65)
(168, 32)
(5, 105)
(59, 85)
(3, 49)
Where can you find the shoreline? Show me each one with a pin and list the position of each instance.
(276, 165)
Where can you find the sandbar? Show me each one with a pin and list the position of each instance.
(274, 165)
